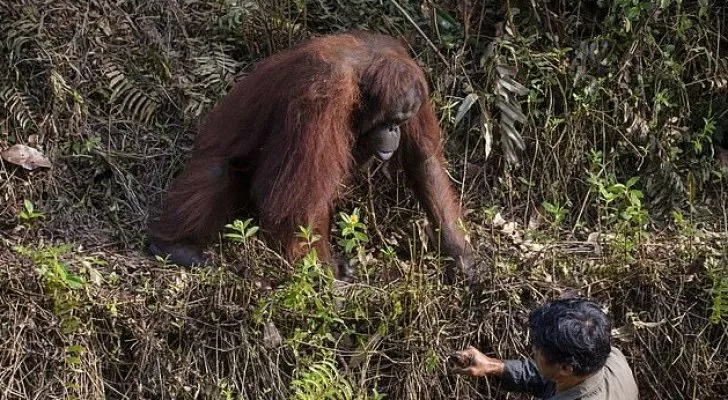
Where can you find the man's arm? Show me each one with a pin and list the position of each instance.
(523, 376)
(516, 375)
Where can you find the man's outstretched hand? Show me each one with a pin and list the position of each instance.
(474, 363)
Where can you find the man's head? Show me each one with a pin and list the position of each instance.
(569, 337)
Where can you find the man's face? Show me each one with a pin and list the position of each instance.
(551, 371)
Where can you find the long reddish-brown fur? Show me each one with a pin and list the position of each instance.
(281, 142)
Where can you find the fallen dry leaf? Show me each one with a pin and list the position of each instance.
(25, 156)
(510, 228)
(498, 221)
(271, 337)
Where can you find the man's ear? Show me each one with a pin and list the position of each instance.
(566, 369)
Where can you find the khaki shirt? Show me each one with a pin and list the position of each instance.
(613, 382)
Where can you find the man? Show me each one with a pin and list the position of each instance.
(572, 357)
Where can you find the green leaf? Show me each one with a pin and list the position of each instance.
(28, 205)
(75, 281)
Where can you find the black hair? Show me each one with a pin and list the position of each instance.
(572, 331)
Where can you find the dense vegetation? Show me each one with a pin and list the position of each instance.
(586, 139)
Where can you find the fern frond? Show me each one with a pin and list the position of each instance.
(321, 381)
(19, 106)
(19, 35)
(508, 90)
(134, 102)
(215, 72)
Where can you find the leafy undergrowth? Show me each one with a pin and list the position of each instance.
(82, 323)
(585, 138)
